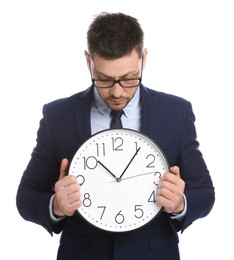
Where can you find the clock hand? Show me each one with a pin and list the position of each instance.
(107, 169)
(119, 179)
(138, 175)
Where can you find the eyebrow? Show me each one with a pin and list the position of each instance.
(122, 76)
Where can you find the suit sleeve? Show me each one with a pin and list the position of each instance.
(37, 183)
(199, 190)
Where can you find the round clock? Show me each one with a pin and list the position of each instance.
(119, 171)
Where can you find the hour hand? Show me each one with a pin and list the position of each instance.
(107, 169)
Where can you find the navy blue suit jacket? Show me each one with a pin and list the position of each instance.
(167, 119)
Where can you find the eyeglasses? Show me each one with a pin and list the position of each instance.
(124, 83)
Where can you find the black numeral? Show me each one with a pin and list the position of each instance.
(136, 146)
(90, 162)
(158, 175)
(152, 197)
(103, 210)
(101, 151)
(87, 201)
(139, 212)
(117, 144)
(119, 218)
(80, 179)
(151, 159)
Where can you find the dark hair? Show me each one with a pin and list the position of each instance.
(113, 35)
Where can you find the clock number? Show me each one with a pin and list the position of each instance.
(80, 179)
(150, 157)
(117, 143)
(119, 218)
(103, 210)
(90, 163)
(152, 197)
(139, 211)
(159, 177)
(101, 149)
(136, 146)
(87, 201)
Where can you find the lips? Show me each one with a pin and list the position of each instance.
(118, 102)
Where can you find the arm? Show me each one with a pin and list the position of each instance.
(190, 178)
(199, 190)
(37, 184)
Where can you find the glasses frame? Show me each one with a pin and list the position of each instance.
(114, 81)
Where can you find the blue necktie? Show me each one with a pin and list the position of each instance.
(116, 119)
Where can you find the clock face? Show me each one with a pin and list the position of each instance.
(119, 171)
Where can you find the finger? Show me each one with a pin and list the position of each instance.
(175, 170)
(63, 168)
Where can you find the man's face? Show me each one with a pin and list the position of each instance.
(126, 67)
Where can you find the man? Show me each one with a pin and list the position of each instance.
(49, 197)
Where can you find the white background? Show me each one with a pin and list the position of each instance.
(190, 54)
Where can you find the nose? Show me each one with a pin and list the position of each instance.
(116, 90)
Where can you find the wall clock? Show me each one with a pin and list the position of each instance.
(119, 171)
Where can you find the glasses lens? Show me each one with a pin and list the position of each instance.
(103, 83)
(128, 83)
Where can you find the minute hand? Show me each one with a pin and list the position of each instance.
(119, 179)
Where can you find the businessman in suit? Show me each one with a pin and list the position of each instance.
(49, 197)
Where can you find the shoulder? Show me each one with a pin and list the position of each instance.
(164, 99)
(68, 102)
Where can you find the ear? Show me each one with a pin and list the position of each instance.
(144, 55)
(87, 56)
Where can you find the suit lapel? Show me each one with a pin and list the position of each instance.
(150, 106)
(82, 110)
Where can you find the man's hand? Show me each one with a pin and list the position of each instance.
(170, 191)
(67, 193)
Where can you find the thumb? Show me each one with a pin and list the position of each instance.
(63, 168)
(175, 170)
